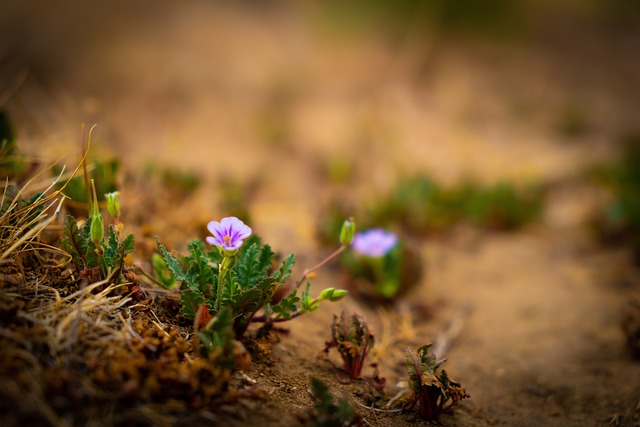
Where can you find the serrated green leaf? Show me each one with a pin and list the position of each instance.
(247, 268)
(287, 305)
(173, 264)
(199, 273)
(285, 268)
(128, 244)
(191, 300)
(254, 261)
(110, 256)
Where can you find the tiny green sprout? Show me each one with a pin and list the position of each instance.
(430, 387)
(113, 204)
(332, 294)
(353, 339)
(348, 231)
(97, 224)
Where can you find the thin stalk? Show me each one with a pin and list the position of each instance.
(321, 264)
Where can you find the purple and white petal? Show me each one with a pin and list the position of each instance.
(375, 242)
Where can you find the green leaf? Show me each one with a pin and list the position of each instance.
(128, 244)
(111, 250)
(253, 263)
(285, 268)
(71, 242)
(199, 273)
(287, 305)
(173, 264)
(191, 300)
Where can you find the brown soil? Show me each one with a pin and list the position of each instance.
(203, 87)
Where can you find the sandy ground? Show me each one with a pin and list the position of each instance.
(203, 87)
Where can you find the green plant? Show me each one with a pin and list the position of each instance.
(241, 276)
(96, 256)
(380, 266)
(11, 162)
(431, 388)
(329, 413)
(104, 174)
(353, 339)
(422, 205)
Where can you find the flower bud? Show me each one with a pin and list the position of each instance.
(326, 294)
(347, 232)
(113, 204)
(338, 294)
(97, 229)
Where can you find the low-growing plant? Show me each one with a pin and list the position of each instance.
(380, 265)
(329, 413)
(96, 256)
(420, 204)
(240, 275)
(430, 387)
(353, 339)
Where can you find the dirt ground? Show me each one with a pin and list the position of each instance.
(269, 95)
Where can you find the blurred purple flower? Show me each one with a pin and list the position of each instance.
(375, 242)
(228, 233)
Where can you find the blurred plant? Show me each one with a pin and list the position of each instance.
(96, 257)
(216, 341)
(104, 175)
(503, 207)
(179, 181)
(495, 18)
(619, 220)
(353, 339)
(12, 164)
(234, 197)
(573, 122)
(163, 276)
(421, 205)
(434, 392)
(329, 413)
(380, 265)
(238, 275)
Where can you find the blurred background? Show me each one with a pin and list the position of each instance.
(302, 96)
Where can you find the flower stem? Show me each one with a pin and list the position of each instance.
(321, 264)
(222, 275)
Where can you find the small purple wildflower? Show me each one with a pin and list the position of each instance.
(375, 242)
(228, 233)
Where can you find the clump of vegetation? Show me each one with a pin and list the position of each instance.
(353, 339)
(421, 205)
(430, 388)
(380, 266)
(104, 175)
(96, 256)
(179, 181)
(619, 220)
(329, 413)
(240, 276)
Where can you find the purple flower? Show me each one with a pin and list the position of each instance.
(375, 242)
(228, 233)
